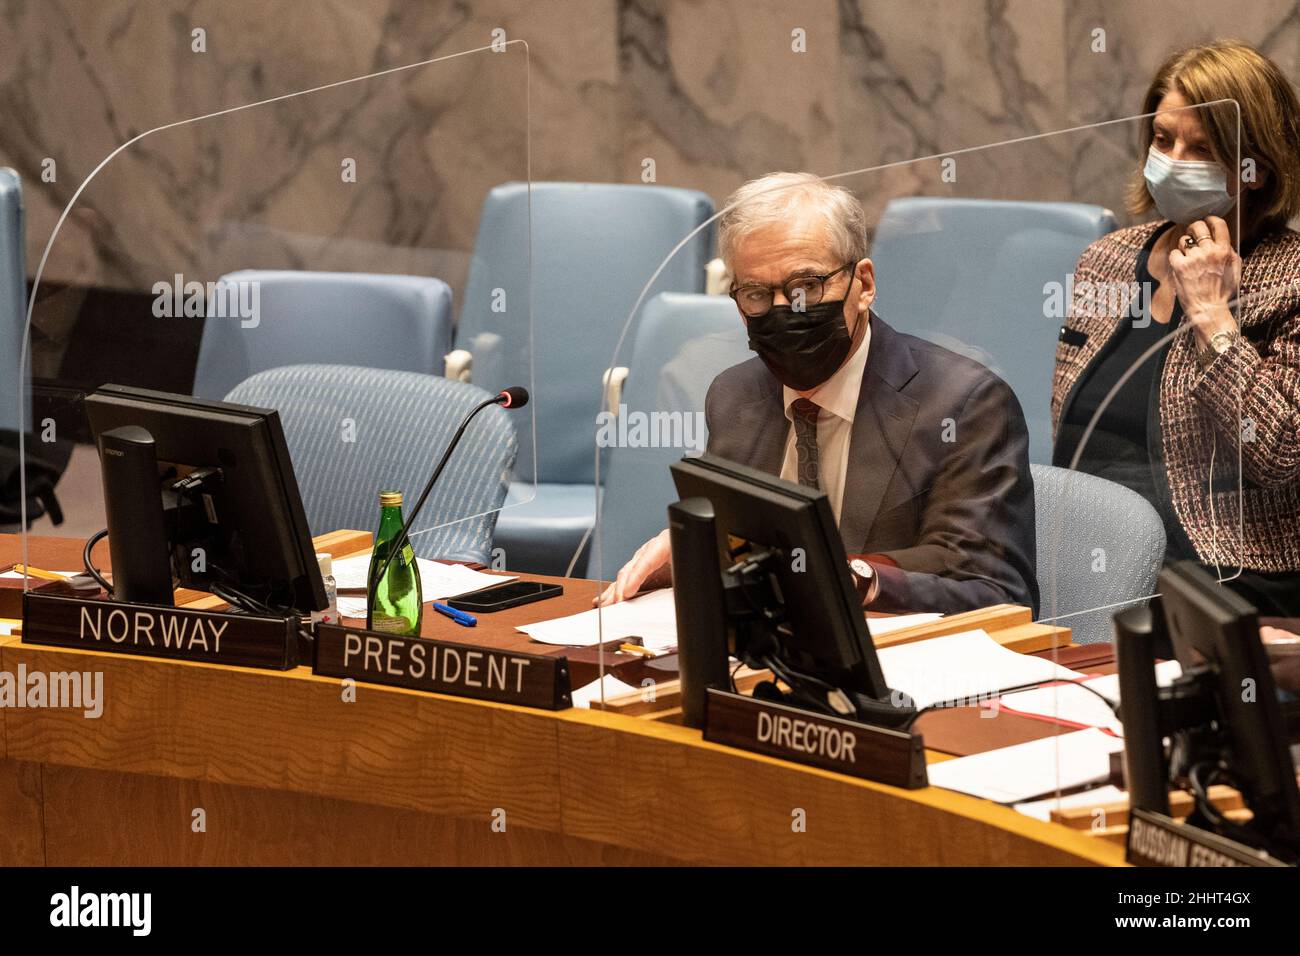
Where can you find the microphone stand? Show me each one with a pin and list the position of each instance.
(402, 538)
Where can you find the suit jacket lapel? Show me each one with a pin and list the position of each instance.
(763, 420)
(881, 426)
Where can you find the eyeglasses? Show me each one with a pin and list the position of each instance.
(756, 300)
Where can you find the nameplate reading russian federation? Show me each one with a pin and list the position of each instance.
(214, 637)
(832, 743)
(1156, 840)
(443, 667)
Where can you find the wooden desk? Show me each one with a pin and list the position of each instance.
(285, 771)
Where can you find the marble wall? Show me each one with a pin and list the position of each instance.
(710, 90)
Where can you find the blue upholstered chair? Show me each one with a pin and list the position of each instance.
(43, 463)
(13, 299)
(969, 274)
(683, 342)
(399, 424)
(345, 318)
(1100, 545)
(594, 246)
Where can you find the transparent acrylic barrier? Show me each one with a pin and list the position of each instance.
(320, 254)
(974, 445)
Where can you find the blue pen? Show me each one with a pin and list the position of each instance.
(460, 617)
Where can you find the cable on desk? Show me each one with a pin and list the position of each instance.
(90, 564)
(944, 705)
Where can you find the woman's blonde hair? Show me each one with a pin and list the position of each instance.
(1270, 124)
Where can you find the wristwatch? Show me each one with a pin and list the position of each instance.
(864, 579)
(1220, 342)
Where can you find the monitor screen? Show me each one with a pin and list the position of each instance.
(826, 629)
(235, 519)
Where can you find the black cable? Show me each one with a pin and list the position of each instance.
(732, 676)
(920, 711)
(237, 598)
(1201, 794)
(403, 538)
(90, 565)
(945, 704)
(234, 596)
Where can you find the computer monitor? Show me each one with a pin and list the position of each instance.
(1213, 628)
(1222, 715)
(203, 494)
(820, 630)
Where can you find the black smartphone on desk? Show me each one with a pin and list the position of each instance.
(501, 596)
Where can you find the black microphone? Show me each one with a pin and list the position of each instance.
(513, 397)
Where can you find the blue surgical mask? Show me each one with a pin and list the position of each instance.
(1186, 190)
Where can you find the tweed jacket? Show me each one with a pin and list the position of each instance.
(1241, 408)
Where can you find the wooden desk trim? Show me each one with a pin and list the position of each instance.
(604, 778)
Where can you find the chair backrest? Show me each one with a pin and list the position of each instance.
(13, 299)
(969, 274)
(1099, 545)
(351, 318)
(353, 432)
(594, 247)
(683, 342)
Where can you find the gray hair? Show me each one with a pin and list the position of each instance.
(768, 200)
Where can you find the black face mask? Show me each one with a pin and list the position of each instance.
(802, 349)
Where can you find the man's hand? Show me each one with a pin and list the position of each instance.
(651, 563)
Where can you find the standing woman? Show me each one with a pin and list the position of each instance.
(1208, 427)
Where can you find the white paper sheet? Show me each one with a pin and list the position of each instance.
(352, 606)
(583, 696)
(1097, 796)
(1030, 770)
(887, 625)
(437, 581)
(1064, 702)
(969, 666)
(1072, 703)
(651, 617)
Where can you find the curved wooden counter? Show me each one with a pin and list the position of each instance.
(285, 771)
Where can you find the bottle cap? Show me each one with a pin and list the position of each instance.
(326, 562)
(390, 499)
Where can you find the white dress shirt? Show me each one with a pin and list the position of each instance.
(838, 399)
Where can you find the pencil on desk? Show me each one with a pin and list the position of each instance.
(636, 649)
(38, 573)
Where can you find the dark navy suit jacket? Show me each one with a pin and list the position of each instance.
(937, 492)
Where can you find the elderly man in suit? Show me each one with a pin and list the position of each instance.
(923, 453)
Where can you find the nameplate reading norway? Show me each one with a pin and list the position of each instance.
(213, 637)
(443, 667)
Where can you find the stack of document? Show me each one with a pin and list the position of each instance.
(1030, 770)
(1096, 797)
(1072, 704)
(437, 581)
(964, 668)
(611, 686)
(651, 617)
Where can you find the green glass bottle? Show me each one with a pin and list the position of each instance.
(395, 604)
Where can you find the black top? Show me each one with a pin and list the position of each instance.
(1124, 444)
